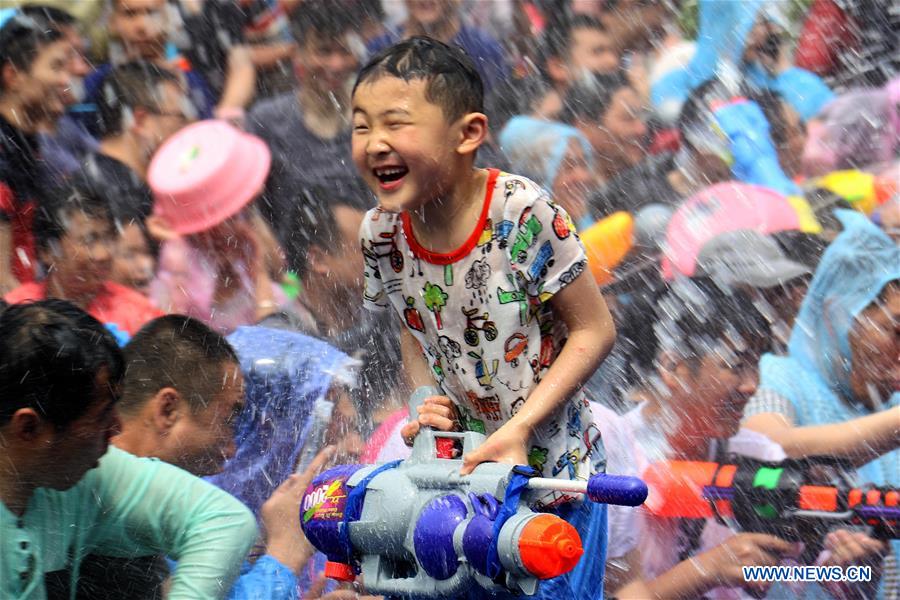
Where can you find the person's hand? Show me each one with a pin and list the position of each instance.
(160, 229)
(847, 548)
(438, 412)
(280, 516)
(506, 445)
(723, 564)
(346, 592)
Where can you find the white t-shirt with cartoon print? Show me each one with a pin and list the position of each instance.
(482, 316)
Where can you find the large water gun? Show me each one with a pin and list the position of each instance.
(796, 500)
(418, 528)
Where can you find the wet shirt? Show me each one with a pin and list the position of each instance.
(645, 183)
(127, 506)
(483, 317)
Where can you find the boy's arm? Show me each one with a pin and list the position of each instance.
(859, 440)
(414, 364)
(591, 336)
(149, 507)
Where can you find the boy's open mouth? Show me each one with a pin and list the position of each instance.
(389, 178)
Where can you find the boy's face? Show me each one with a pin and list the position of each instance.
(82, 258)
(573, 182)
(76, 449)
(201, 442)
(715, 390)
(403, 145)
(326, 65)
(141, 27)
(133, 264)
(173, 113)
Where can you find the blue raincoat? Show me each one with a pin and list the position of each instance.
(285, 373)
(814, 376)
(724, 27)
(536, 148)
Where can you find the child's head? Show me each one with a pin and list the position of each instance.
(34, 61)
(417, 121)
(141, 26)
(75, 236)
(430, 15)
(709, 341)
(327, 46)
(144, 100)
(134, 262)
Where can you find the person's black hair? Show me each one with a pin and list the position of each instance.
(21, 39)
(313, 222)
(694, 315)
(51, 353)
(697, 109)
(178, 352)
(773, 107)
(451, 79)
(590, 100)
(557, 39)
(130, 86)
(58, 204)
(49, 16)
(323, 19)
(804, 248)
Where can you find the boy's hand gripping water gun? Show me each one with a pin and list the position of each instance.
(418, 528)
(796, 500)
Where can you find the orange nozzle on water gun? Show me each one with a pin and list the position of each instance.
(549, 546)
(607, 242)
(864, 191)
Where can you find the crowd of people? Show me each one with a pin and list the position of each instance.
(602, 233)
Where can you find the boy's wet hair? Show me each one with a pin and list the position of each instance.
(312, 222)
(51, 353)
(451, 79)
(58, 204)
(324, 19)
(590, 101)
(21, 39)
(133, 85)
(178, 352)
(49, 17)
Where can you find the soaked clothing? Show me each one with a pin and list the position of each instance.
(127, 506)
(65, 148)
(482, 315)
(643, 184)
(114, 304)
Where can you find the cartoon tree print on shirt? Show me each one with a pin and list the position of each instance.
(435, 300)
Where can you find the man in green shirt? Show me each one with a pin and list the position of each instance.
(64, 493)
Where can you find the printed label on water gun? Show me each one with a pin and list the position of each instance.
(326, 501)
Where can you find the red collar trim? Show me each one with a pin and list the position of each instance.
(449, 258)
